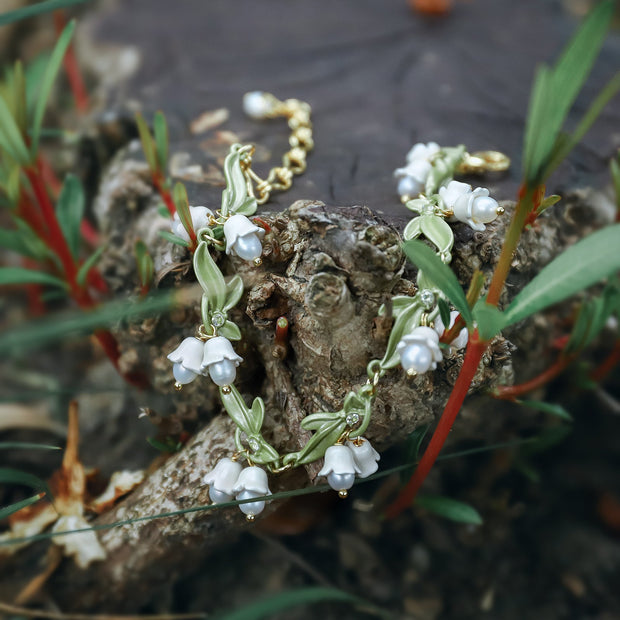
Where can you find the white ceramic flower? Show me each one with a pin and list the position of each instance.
(419, 351)
(187, 360)
(365, 456)
(220, 360)
(257, 104)
(473, 207)
(222, 479)
(340, 468)
(200, 218)
(413, 176)
(243, 238)
(460, 342)
(423, 151)
(252, 482)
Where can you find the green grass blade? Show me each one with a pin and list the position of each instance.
(7, 511)
(550, 408)
(49, 77)
(88, 264)
(440, 275)
(160, 131)
(39, 333)
(9, 475)
(36, 9)
(449, 509)
(24, 445)
(148, 144)
(593, 112)
(19, 275)
(267, 607)
(70, 211)
(585, 263)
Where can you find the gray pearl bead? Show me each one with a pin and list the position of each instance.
(248, 247)
(182, 374)
(340, 482)
(223, 373)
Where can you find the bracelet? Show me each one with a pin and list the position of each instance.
(427, 188)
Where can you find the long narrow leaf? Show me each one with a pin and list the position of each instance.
(10, 138)
(440, 275)
(160, 130)
(49, 77)
(19, 275)
(36, 9)
(15, 476)
(24, 445)
(7, 511)
(449, 509)
(70, 211)
(88, 264)
(588, 261)
(267, 607)
(593, 112)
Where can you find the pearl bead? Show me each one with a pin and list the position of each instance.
(256, 105)
(340, 482)
(248, 247)
(416, 357)
(484, 210)
(223, 373)
(408, 186)
(182, 374)
(219, 497)
(251, 508)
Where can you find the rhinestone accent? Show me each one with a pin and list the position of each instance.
(254, 445)
(218, 319)
(427, 297)
(352, 419)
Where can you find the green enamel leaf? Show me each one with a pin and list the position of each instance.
(315, 421)
(404, 323)
(322, 439)
(234, 291)
(399, 304)
(230, 330)
(236, 193)
(70, 211)
(413, 229)
(444, 168)
(585, 263)
(19, 275)
(449, 509)
(210, 277)
(258, 413)
(248, 207)
(265, 453)
(49, 77)
(440, 275)
(436, 230)
(236, 408)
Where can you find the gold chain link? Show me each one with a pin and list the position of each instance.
(280, 178)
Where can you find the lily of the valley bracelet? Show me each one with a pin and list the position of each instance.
(427, 187)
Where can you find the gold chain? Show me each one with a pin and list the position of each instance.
(280, 178)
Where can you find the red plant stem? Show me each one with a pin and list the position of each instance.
(72, 69)
(32, 217)
(608, 364)
(512, 392)
(473, 355)
(451, 333)
(529, 200)
(166, 196)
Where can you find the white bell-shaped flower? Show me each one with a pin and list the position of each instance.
(423, 151)
(413, 177)
(187, 360)
(200, 219)
(473, 207)
(252, 482)
(419, 351)
(340, 468)
(243, 238)
(222, 479)
(257, 104)
(220, 360)
(365, 456)
(460, 342)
